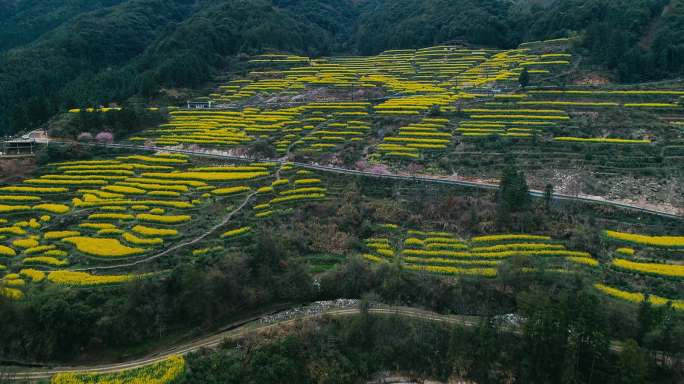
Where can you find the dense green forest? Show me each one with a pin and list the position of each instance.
(353, 351)
(55, 55)
(23, 21)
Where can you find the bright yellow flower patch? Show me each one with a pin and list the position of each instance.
(153, 159)
(34, 189)
(38, 249)
(307, 181)
(652, 268)
(230, 190)
(488, 272)
(44, 260)
(11, 293)
(601, 140)
(7, 251)
(54, 253)
(637, 297)
(124, 189)
(657, 241)
(13, 208)
(289, 198)
(626, 251)
(12, 231)
(150, 231)
(17, 282)
(52, 235)
(35, 275)
(131, 238)
(25, 243)
(102, 247)
(97, 226)
(493, 238)
(584, 260)
(236, 232)
(518, 247)
(110, 216)
(208, 176)
(19, 198)
(86, 279)
(163, 219)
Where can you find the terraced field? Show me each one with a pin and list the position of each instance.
(656, 263)
(406, 84)
(437, 110)
(449, 110)
(266, 191)
(95, 222)
(446, 111)
(80, 216)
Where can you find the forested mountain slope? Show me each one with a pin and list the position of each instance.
(23, 21)
(413, 24)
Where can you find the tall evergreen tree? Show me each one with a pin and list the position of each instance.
(548, 196)
(512, 198)
(513, 194)
(524, 78)
(646, 320)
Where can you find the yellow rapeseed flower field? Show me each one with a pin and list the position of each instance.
(102, 247)
(85, 279)
(657, 241)
(651, 268)
(636, 297)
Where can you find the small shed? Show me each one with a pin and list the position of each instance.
(200, 104)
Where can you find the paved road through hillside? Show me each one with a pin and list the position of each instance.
(389, 176)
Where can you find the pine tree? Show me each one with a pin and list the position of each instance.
(513, 197)
(524, 78)
(514, 194)
(645, 319)
(548, 196)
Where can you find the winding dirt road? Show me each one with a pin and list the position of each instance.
(212, 341)
(253, 326)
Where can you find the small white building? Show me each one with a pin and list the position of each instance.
(200, 104)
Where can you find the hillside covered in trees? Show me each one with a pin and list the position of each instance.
(55, 55)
